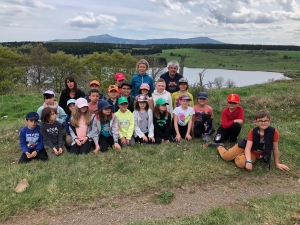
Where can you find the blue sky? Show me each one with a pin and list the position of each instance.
(230, 21)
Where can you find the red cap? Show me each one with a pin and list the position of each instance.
(234, 98)
(120, 76)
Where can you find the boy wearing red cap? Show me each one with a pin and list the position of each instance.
(119, 78)
(231, 121)
(94, 84)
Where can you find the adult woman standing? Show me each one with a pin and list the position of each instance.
(70, 92)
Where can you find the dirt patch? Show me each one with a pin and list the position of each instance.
(188, 201)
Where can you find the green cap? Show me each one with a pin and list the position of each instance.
(122, 99)
(161, 101)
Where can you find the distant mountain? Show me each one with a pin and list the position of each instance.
(105, 38)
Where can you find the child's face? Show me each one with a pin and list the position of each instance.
(71, 107)
(52, 116)
(263, 123)
(31, 124)
(107, 111)
(83, 109)
(126, 90)
(232, 106)
(113, 94)
(183, 86)
(49, 101)
(163, 108)
(142, 68)
(119, 82)
(142, 105)
(184, 103)
(123, 107)
(202, 101)
(94, 97)
(144, 91)
(94, 86)
(160, 87)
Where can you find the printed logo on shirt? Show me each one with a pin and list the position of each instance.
(184, 118)
(124, 123)
(32, 140)
(53, 130)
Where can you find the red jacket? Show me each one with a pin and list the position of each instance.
(228, 117)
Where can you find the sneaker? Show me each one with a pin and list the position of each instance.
(206, 137)
(215, 145)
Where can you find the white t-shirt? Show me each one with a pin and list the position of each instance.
(184, 116)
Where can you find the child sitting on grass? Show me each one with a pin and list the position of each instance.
(107, 127)
(69, 109)
(203, 117)
(143, 121)
(31, 140)
(81, 128)
(125, 122)
(162, 122)
(51, 131)
(259, 144)
(231, 121)
(183, 119)
(145, 90)
(49, 101)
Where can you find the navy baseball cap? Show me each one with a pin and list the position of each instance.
(32, 116)
(202, 95)
(103, 104)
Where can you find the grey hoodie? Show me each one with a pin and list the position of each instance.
(165, 95)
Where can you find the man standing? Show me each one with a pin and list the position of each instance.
(172, 77)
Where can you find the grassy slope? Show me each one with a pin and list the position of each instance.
(82, 179)
(236, 59)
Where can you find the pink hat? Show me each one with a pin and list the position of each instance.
(145, 86)
(81, 102)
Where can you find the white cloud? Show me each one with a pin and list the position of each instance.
(29, 4)
(172, 7)
(88, 20)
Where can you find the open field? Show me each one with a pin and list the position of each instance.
(77, 181)
(277, 61)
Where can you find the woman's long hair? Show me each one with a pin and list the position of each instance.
(71, 79)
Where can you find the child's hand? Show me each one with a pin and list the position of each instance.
(78, 142)
(55, 151)
(145, 139)
(28, 155)
(127, 142)
(238, 121)
(249, 166)
(84, 140)
(283, 167)
(96, 149)
(178, 138)
(60, 151)
(123, 140)
(33, 154)
(162, 140)
(117, 146)
(167, 141)
(152, 139)
(188, 137)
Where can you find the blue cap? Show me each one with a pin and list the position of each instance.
(103, 104)
(32, 116)
(71, 101)
(202, 95)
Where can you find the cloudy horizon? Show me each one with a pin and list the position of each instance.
(273, 22)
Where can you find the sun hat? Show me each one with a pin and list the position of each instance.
(81, 102)
(122, 99)
(71, 101)
(32, 116)
(113, 87)
(103, 104)
(145, 86)
(202, 95)
(234, 98)
(142, 98)
(161, 101)
(95, 82)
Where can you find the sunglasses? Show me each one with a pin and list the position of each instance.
(232, 103)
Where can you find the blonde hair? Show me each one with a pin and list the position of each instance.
(161, 80)
(76, 113)
(142, 61)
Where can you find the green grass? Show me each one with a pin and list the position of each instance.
(237, 59)
(80, 180)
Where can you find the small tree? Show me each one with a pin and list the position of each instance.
(219, 82)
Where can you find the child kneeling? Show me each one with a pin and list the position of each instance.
(261, 141)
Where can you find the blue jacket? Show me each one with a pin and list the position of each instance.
(137, 80)
(31, 139)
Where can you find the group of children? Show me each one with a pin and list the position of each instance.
(158, 117)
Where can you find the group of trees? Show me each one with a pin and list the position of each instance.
(42, 70)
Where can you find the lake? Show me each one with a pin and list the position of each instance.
(240, 78)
